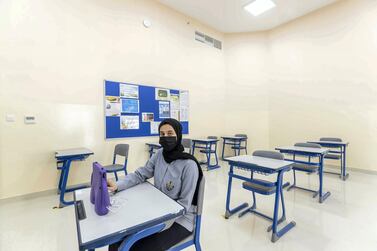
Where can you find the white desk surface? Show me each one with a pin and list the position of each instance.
(142, 203)
(262, 162)
(232, 137)
(153, 144)
(205, 140)
(304, 149)
(329, 142)
(73, 152)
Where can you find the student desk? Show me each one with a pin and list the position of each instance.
(144, 207)
(342, 146)
(206, 146)
(309, 152)
(233, 141)
(152, 148)
(260, 165)
(64, 159)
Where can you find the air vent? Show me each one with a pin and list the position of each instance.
(203, 38)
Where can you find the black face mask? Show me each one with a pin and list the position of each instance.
(168, 143)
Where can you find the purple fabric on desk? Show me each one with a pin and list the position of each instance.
(99, 195)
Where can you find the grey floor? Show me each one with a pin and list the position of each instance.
(345, 221)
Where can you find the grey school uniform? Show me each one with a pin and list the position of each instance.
(177, 180)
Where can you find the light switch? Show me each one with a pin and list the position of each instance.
(10, 118)
(30, 119)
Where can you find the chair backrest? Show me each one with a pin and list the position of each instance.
(312, 145)
(241, 135)
(122, 150)
(330, 139)
(201, 196)
(187, 143)
(212, 137)
(268, 154)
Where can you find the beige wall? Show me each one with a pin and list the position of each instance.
(312, 77)
(54, 56)
(323, 79)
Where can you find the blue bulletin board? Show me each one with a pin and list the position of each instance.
(133, 110)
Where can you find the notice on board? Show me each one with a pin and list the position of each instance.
(129, 122)
(184, 106)
(129, 91)
(164, 109)
(112, 106)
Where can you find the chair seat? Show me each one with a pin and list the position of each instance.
(238, 147)
(207, 151)
(259, 188)
(114, 168)
(332, 156)
(304, 167)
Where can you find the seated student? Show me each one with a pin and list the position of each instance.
(177, 174)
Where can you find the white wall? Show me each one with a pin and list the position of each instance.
(54, 56)
(323, 79)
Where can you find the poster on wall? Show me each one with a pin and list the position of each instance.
(129, 122)
(184, 106)
(112, 106)
(162, 94)
(130, 105)
(129, 91)
(147, 116)
(164, 109)
(154, 127)
(174, 106)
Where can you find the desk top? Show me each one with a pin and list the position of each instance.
(335, 143)
(153, 144)
(267, 163)
(73, 152)
(303, 149)
(142, 204)
(205, 140)
(233, 137)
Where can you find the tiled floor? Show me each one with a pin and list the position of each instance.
(345, 221)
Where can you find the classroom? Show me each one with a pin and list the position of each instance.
(188, 125)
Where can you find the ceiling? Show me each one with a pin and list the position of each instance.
(228, 16)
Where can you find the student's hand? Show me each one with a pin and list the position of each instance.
(112, 186)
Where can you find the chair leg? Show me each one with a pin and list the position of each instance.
(198, 247)
(294, 181)
(116, 176)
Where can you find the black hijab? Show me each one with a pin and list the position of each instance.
(178, 152)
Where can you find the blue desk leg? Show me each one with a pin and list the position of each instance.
(222, 154)
(345, 174)
(229, 212)
(322, 197)
(65, 173)
(209, 166)
(275, 233)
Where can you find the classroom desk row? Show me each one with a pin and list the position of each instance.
(268, 166)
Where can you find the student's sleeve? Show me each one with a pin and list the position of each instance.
(189, 180)
(139, 176)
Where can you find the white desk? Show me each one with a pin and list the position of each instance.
(144, 206)
(64, 159)
(343, 147)
(265, 163)
(310, 152)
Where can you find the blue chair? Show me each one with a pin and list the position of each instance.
(304, 167)
(335, 155)
(193, 239)
(263, 187)
(121, 150)
(211, 149)
(240, 145)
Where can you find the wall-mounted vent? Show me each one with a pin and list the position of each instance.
(201, 37)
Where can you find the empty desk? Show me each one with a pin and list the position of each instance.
(64, 159)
